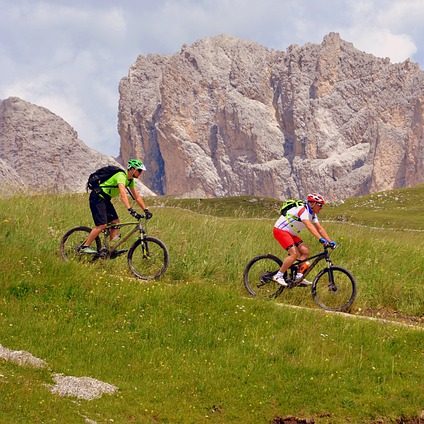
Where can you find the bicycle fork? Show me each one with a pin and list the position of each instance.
(331, 284)
(144, 245)
(145, 249)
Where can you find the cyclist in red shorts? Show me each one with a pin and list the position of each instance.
(287, 228)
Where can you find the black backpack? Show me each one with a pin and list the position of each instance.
(101, 175)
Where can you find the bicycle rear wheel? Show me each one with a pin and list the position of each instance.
(257, 276)
(71, 242)
(334, 289)
(148, 258)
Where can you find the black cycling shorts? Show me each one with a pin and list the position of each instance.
(102, 210)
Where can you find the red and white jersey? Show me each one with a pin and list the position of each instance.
(292, 222)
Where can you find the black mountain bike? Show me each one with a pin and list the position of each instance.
(148, 257)
(333, 288)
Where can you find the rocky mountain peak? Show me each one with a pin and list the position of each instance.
(226, 116)
(40, 152)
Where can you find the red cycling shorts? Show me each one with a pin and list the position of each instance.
(286, 239)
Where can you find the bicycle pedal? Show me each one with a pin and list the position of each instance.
(290, 284)
(117, 253)
(103, 253)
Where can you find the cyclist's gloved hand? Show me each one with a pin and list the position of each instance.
(147, 213)
(324, 241)
(134, 213)
(332, 244)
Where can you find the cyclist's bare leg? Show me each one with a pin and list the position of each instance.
(304, 251)
(114, 232)
(293, 254)
(94, 233)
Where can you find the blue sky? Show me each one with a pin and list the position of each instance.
(69, 56)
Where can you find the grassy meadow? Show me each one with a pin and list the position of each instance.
(193, 347)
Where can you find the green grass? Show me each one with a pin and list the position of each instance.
(192, 347)
(399, 209)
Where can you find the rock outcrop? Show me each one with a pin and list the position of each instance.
(11, 181)
(40, 152)
(229, 117)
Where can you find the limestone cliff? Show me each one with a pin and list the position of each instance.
(228, 117)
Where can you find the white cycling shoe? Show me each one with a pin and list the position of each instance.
(279, 279)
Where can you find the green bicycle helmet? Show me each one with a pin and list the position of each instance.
(136, 164)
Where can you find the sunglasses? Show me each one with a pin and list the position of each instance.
(320, 205)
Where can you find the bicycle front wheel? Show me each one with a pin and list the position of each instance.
(257, 276)
(148, 258)
(71, 242)
(334, 289)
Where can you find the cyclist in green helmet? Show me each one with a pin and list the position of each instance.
(101, 207)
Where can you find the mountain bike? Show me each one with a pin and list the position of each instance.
(333, 288)
(148, 257)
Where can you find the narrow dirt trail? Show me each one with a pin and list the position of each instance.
(406, 322)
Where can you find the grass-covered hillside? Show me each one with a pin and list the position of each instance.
(401, 209)
(193, 347)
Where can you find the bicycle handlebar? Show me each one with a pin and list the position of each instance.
(328, 247)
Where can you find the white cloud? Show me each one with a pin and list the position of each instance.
(102, 23)
(381, 43)
(380, 27)
(43, 92)
(402, 16)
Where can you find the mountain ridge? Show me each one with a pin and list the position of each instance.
(229, 117)
(226, 116)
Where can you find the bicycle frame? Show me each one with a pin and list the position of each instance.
(111, 249)
(318, 258)
(294, 267)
